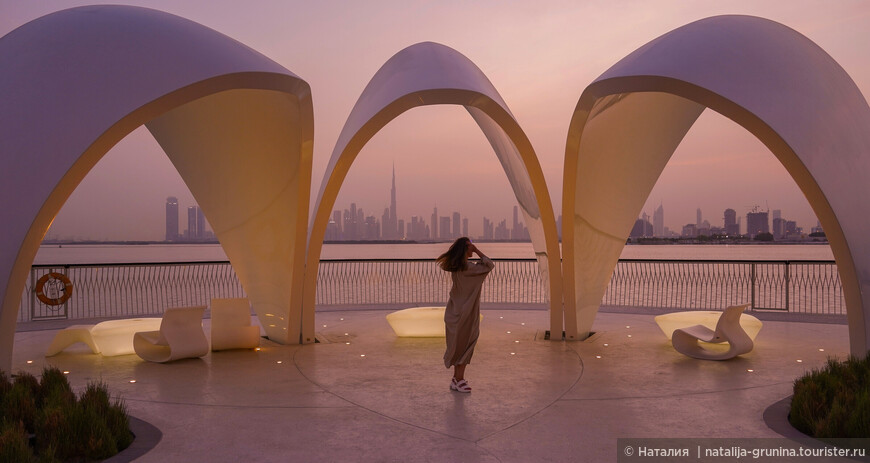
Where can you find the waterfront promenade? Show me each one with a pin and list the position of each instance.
(381, 398)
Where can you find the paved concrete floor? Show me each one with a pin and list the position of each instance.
(366, 395)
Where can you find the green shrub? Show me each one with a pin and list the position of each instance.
(5, 385)
(834, 401)
(52, 429)
(13, 443)
(55, 386)
(19, 404)
(66, 428)
(96, 398)
(114, 430)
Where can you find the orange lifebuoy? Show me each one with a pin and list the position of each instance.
(58, 285)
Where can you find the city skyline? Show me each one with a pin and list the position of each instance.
(757, 222)
(367, 227)
(445, 160)
(353, 224)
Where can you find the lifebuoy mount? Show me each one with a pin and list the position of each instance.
(53, 288)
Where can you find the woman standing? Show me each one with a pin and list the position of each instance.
(462, 316)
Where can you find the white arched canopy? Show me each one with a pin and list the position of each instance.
(427, 74)
(236, 125)
(766, 77)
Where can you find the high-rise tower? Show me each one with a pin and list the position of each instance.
(732, 228)
(756, 223)
(457, 223)
(171, 218)
(200, 224)
(434, 223)
(392, 231)
(191, 233)
(659, 221)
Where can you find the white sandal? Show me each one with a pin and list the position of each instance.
(459, 386)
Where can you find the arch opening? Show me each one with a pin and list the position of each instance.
(657, 122)
(432, 74)
(743, 68)
(89, 83)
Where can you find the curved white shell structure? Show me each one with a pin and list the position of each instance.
(768, 78)
(427, 74)
(236, 125)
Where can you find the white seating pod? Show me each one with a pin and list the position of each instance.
(231, 325)
(419, 322)
(180, 336)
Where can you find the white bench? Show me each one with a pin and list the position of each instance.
(109, 338)
(419, 322)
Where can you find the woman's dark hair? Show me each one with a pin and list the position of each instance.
(454, 259)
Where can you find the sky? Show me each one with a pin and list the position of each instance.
(539, 56)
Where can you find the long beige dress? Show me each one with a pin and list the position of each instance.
(462, 317)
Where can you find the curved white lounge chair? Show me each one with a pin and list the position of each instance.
(728, 330)
(180, 336)
(109, 338)
(231, 325)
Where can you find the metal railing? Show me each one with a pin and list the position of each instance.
(125, 290)
(811, 287)
(390, 281)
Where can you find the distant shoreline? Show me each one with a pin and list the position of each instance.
(646, 242)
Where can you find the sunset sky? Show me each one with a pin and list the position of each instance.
(539, 55)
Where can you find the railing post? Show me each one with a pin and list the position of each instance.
(786, 285)
(752, 283)
(32, 292)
